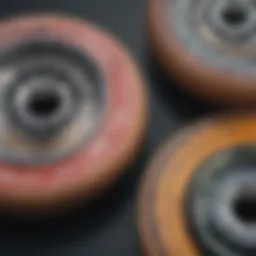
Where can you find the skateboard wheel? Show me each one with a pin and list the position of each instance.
(73, 112)
(207, 47)
(198, 196)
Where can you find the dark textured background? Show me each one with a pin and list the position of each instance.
(108, 227)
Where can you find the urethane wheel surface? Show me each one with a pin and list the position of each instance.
(198, 196)
(208, 47)
(73, 112)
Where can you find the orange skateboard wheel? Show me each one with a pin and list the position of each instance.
(73, 112)
(207, 47)
(198, 196)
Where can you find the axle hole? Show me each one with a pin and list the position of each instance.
(44, 104)
(234, 15)
(245, 206)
